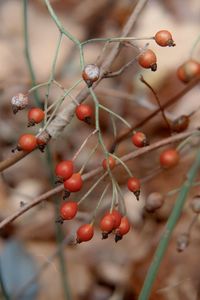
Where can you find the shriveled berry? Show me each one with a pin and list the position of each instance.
(91, 74)
(164, 38)
(35, 116)
(64, 170)
(134, 186)
(122, 229)
(111, 162)
(19, 102)
(189, 70)
(182, 242)
(26, 142)
(154, 201)
(84, 112)
(74, 183)
(169, 158)
(84, 233)
(68, 210)
(195, 204)
(148, 60)
(139, 139)
(180, 124)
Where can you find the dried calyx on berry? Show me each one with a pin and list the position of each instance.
(164, 38)
(42, 140)
(19, 102)
(91, 74)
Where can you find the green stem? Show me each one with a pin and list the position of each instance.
(123, 164)
(59, 24)
(194, 46)
(116, 39)
(27, 52)
(99, 202)
(163, 244)
(92, 188)
(52, 75)
(115, 114)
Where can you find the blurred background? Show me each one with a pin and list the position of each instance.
(32, 267)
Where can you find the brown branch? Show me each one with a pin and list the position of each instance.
(64, 118)
(157, 100)
(95, 172)
(141, 123)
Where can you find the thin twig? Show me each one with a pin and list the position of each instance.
(157, 100)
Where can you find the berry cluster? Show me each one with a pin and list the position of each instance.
(148, 59)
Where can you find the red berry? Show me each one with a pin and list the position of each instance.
(91, 74)
(107, 223)
(181, 123)
(122, 229)
(139, 139)
(116, 217)
(27, 142)
(74, 183)
(35, 116)
(169, 158)
(64, 170)
(188, 71)
(164, 38)
(110, 161)
(85, 233)
(134, 186)
(68, 210)
(84, 112)
(148, 60)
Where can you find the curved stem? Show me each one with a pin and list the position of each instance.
(115, 114)
(27, 52)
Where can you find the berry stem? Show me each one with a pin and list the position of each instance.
(99, 202)
(123, 164)
(116, 39)
(83, 144)
(94, 149)
(115, 114)
(92, 188)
